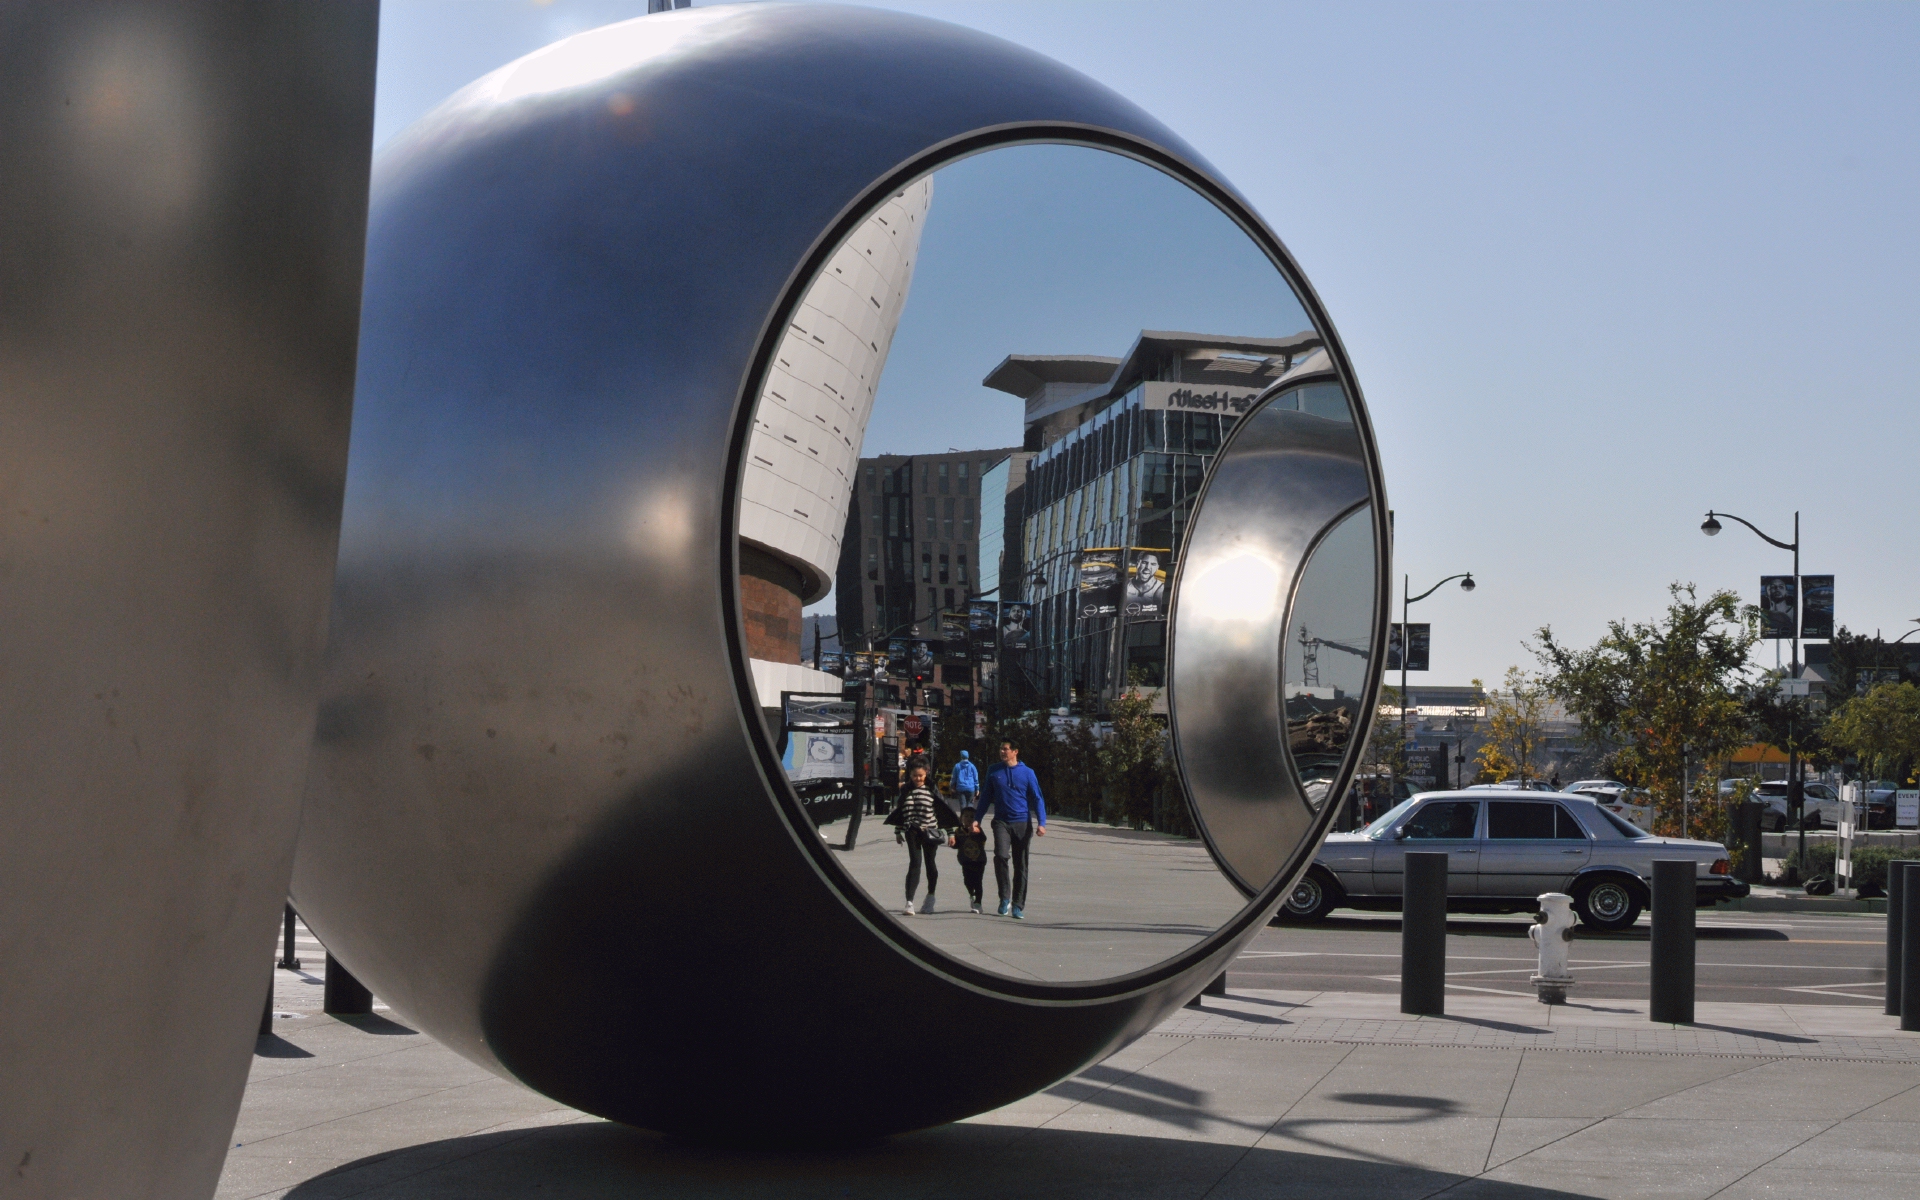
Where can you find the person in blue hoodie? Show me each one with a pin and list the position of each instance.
(966, 781)
(1012, 791)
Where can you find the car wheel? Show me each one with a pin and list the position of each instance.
(1311, 899)
(1607, 903)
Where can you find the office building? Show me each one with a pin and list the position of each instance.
(1119, 450)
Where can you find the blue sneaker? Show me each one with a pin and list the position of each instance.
(1005, 905)
(1018, 915)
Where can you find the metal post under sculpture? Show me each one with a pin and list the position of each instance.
(545, 819)
(182, 206)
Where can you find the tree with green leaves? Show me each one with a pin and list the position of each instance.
(1881, 730)
(1516, 729)
(1671, 695)
(1133, 756)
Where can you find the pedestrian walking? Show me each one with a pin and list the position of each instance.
(1019, 813)
(966, 783)
(970, 847)
(923, 819)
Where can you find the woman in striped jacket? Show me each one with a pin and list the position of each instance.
(924, 819)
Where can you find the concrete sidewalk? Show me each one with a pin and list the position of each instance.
(1269, 1094)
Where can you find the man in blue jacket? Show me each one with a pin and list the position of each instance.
(1019, 813)
(966, 781)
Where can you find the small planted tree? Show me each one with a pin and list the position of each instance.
(1516, 729)
(1133, 757)
(1671, 694)
(1881, 730)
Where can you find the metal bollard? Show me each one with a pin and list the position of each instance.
(287, 959)
(1423, 935)
(1217, 988)
(345, 996)
(1670, 1001)
(1910, 949)
(1896, 891)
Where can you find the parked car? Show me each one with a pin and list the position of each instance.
(1820, 810)
(1503, 850)
(1627, 803)
(1588, 785)
(1876, 806)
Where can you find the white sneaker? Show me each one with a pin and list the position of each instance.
(927, 907)
(909, 908)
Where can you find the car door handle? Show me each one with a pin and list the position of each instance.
(1573, 852)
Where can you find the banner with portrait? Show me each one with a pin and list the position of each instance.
(1417, 647)
(921, 658)
(1099, 590)
(983, 628)
(1146, 595)
(1779, 606)
(1816, 607)
(1016, 625)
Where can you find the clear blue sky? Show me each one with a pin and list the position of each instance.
(1600, 267)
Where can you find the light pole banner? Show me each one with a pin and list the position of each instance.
(1099, 591)
(1418, 651)
(1779, 606)
(1015, 625)
(1816, 608)
(1146, 598)
(983, 623)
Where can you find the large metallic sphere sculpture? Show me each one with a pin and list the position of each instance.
(548, 820)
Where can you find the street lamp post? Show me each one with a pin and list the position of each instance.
(1796, 786)
(1406, 634)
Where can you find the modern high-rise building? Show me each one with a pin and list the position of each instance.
(912, 547)
(803, 452)
(1119, 449)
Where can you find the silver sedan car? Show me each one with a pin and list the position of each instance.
(1503, 850)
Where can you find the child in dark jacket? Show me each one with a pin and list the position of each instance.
(970, 847)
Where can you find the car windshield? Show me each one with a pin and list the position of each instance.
(1382, 822)
(1627, 828)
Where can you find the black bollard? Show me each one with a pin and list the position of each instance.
(1910, 949)
(287, 959)
(1423, 935)
(345, 996)
(1896, 890)
(1671, 946)
(1217, 988)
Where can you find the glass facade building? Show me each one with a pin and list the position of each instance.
(1123, 477)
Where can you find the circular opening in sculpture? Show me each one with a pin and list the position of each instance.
(974, 459)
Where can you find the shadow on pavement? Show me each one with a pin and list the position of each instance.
(272, 1045)
(372, 1023)
(600, 1160)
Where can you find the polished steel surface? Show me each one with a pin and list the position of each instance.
(182, 207)
(544, 820)
(1281, 483)
(1104, 902)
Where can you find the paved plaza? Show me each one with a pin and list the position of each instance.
(1104, 901)
(1267, 1094)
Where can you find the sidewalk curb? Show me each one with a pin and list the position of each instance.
(1802, 904)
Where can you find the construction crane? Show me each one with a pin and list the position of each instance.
(1310, 656)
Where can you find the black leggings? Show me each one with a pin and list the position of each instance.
(918, 847)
